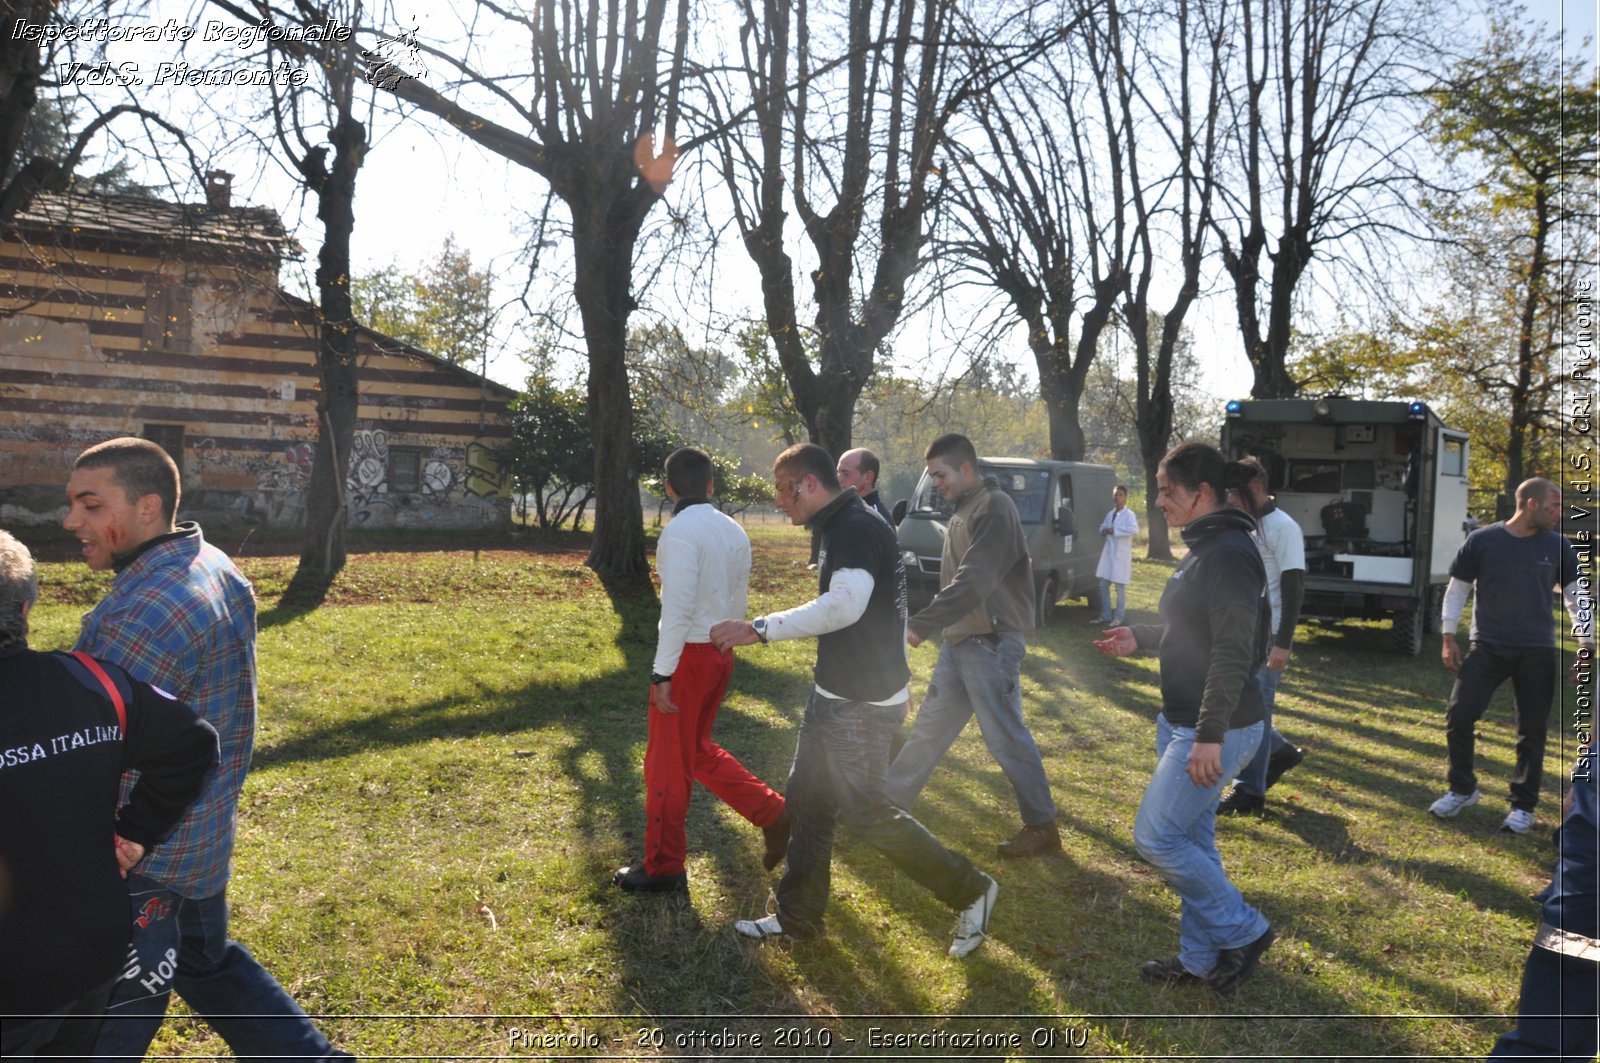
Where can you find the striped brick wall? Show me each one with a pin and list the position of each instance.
(94, 344)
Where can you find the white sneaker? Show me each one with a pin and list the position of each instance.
(1452, 802)
(765, 927)
(972, 924)
(1518, 821)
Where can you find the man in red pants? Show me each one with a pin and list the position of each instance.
(703, 558)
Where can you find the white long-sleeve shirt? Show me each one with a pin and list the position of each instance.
(703, 558)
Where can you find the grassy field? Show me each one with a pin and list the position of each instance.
(448, 768)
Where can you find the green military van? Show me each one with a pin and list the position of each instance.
(1060, 503)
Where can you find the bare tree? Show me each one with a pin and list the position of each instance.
(1170, 71)
(845, 127)
(1041, 211)
(1317, 151)
(298, 111)
(596, 116)
(26, 54)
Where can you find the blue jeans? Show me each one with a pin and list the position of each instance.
(182, 943)
(840, 757)
(980, 675)
(1253, 778)
(1105, 601)
(1175, 831)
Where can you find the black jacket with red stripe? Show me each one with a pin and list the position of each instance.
(64, 918)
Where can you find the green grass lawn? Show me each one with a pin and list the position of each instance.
(447, 770)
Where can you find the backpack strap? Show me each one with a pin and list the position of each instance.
(111, 688)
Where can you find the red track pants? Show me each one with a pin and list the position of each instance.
(680, 751)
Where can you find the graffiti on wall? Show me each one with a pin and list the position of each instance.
(485, 478)
(441, 471)
(369, 461)
(286, 470)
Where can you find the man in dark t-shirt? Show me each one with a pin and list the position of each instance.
(1511, 568)
(856, 705)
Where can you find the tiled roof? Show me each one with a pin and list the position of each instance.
(390, 345)
(131, 219)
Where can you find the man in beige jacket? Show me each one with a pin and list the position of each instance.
(985, 606)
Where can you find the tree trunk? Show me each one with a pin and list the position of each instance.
(327, 514)
(1155, 434)
(1522, 398)
(604, 242)
(1153, 414)
(1160, 548)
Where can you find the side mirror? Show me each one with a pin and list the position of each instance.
(1066, 524)
(899, 511)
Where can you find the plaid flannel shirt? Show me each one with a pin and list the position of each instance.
(183, 618)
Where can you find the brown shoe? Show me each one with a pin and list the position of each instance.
(1036, 840)
(777, 836)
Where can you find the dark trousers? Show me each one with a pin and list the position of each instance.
(68, 1031)
(841, 757)
(1532, 671)
(1559, 1014)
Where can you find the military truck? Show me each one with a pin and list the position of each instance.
(1380, 490)
(1060, 503)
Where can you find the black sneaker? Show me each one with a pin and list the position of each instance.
(635, 879)
(1168, 972)
(1235, 966)
(1238, 803)
(1284, 759)
(1037, 840)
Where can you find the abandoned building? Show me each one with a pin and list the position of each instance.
(128, 316)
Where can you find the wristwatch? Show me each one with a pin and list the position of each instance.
(657, 680)
(760, 626)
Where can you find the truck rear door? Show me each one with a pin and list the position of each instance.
(1449, 501)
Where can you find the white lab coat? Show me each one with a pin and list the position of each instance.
(1116, 556)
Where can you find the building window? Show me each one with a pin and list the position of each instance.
(168, 318)
(405, 470)
(169, 437)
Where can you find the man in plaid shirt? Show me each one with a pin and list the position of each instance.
(180, 616)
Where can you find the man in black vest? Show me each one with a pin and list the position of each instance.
(857, 704)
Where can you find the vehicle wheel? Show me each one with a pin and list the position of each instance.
(1408, 626)
(1430, 619)
(1049, 592)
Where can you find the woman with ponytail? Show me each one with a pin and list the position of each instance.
(1211, 642)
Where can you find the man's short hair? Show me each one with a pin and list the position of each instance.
(1536, 487)
(954, 448)
(19, 587)
(1120, 487)
(867, 461)
(140, 468)
(805, 459)
(688, 471)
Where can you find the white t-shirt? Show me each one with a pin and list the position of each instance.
(1283, 549)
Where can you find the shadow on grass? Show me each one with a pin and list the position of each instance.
(306, 592)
